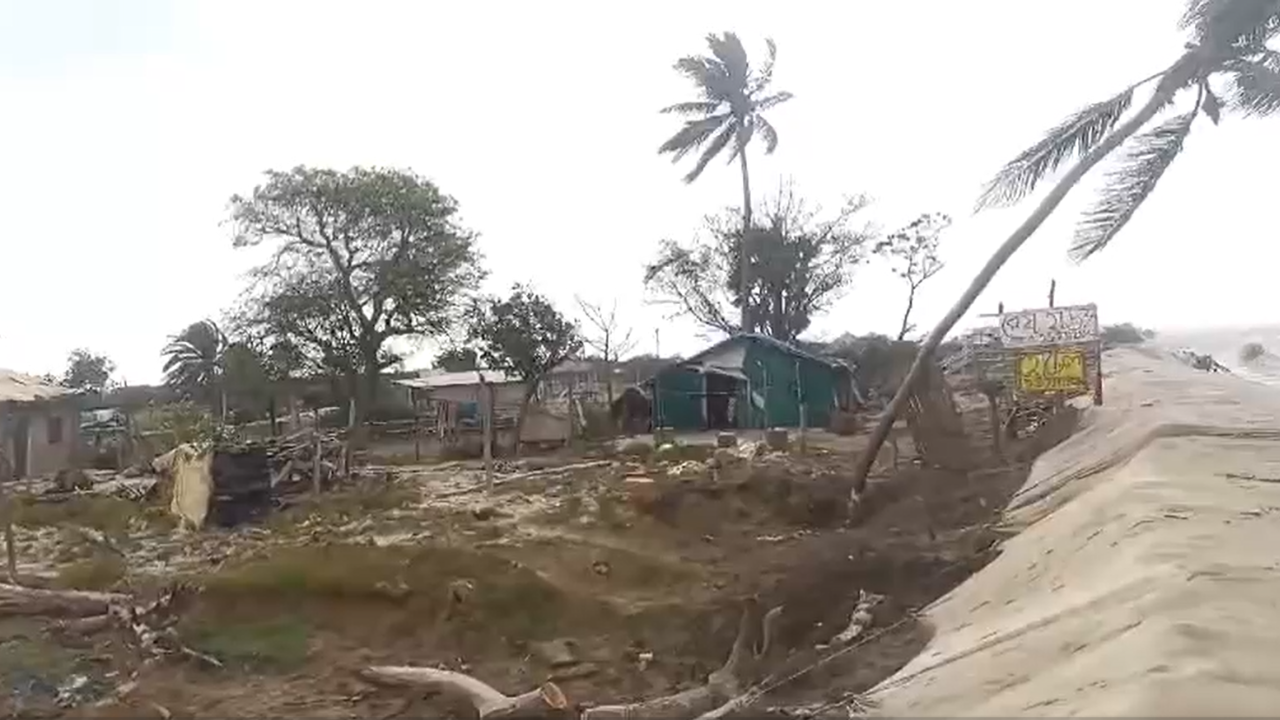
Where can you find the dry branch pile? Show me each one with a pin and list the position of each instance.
(84, 613)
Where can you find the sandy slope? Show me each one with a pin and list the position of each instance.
(1146, 580)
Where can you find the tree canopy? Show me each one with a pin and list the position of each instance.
(729, 111)
(457, 359)
(359, 258)
(798, 262)
(193, 361)
(88, 371)
(523, 334)
(913, 252)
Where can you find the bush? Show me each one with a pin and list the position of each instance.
(1252, 351)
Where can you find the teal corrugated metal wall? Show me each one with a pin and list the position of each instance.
(773, 375)
(678, 399)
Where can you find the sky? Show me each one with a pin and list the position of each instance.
(129, 123)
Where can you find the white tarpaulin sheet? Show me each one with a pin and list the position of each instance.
(1146, 579)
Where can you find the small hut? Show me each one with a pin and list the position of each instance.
(750, 381)
(39, 426)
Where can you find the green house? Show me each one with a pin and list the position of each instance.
(749, 381)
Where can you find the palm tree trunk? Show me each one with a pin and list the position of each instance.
(744, 264)
(1163, 94)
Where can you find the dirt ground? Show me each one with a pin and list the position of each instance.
(620, 579)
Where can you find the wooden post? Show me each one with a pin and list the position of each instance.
(417, 430)
(351, 433)
(1097, 373)
(803, 410)
(315, 463)
(6, 515)
(993, 417)
(486, 422)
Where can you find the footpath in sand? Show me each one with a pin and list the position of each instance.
(1145, 580)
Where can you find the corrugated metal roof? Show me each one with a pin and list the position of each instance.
(452, 379)
(763, 340)
(20, 387)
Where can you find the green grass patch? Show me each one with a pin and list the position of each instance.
(101, 571)
(110, 515)
(347, 505)
(279, 644)
(508, 599)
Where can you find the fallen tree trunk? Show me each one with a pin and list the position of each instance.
(725, 685)
(18, 600)
(488, 703)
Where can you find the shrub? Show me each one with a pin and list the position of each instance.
(1252, 351)
(1126, 334)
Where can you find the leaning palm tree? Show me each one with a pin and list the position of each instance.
(194, 362)
(1228, 50)
(729, 113)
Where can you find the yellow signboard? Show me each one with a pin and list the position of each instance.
(1052, 371)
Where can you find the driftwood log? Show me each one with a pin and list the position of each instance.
(86, 613)
(724, 686)
(19, 600)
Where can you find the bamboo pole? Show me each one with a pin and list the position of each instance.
(486, 422)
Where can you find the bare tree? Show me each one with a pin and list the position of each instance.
(611, 341)
(913, 252)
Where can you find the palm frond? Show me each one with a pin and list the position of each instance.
(695, 107)
(769, 134)
(1255, 87)
(770, 101)
(693, 135)
(1143, 163)
(728, 49)
(1232, 23)
(715, 147)
(1194, 13)
(765, 76)
(708, 75)
(1073, 137)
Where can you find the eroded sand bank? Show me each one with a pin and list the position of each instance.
(1146, 578)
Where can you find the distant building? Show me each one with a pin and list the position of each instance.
(39, 426)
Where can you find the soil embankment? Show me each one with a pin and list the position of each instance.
(1144, 578)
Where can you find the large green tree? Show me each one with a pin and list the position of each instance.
(799, 261)
(524, 335)
(194, 364)
(88, 371)
(733, 97)
(359, 258)
(1228, 49)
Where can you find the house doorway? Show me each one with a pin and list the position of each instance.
(722, 394)
(21, 443)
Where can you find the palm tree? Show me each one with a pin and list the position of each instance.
(729, 113)
(1228, 49)
(195, 362)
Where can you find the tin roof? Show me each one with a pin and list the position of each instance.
(454, 379)
(23, 388)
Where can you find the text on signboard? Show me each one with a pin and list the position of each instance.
(1050, 326)
(1052, 371)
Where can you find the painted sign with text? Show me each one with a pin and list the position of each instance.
(1070, 325)
(1060, 370)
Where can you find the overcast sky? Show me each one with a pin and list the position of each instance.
(127, 124)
